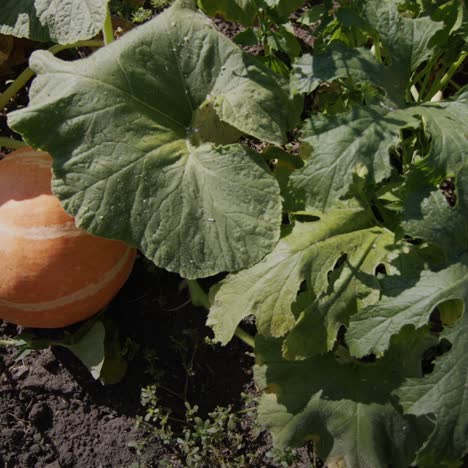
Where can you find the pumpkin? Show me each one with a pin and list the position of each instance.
(52, 274)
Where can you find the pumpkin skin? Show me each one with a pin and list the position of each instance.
(52, 274)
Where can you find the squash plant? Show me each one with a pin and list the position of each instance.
(352, 256)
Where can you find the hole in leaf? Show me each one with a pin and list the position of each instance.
(406, 133)
(340, 261)
(302, 287)
(308, 106)
(207, 127)
(253, 143)
(414, 145)
(432, 353)
(377, 214)
(435, 323)
(380, 270)
(338, 264)
(396, 160)
(306, 218)
(413, 241)
(340, 336)
(450, 311)
(342, 95)
(447, 187)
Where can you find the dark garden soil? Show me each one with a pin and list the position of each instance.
(54, 414)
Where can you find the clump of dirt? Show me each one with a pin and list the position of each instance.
(49, 418)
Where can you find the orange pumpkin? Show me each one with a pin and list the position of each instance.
(52, 274)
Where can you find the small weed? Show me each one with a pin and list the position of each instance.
(130, 349)
(225, 438)
(160, 4)
(141, 15)
(153, 366)
(138, 12)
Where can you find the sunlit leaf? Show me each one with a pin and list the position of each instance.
(309, 253)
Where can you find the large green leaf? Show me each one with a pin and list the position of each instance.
(352, 286)
(449, 441)
(309, 71)
(342, 405)
(309, 253)
(407, 40)
(408, 299)
(335, 146)
(129, 159)
(62, 21)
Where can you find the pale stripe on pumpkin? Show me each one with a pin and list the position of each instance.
(36, 158)
(76, 296)
(42, 232)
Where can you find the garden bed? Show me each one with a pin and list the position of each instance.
(294, 179)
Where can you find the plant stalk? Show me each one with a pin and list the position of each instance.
(426, 70)
(11, 143)
(414, 93)
(439, 85)
(247, 338)
(200, 298)
(27, 74)
(376, 48)
(15, 87)
(108, 31)
(426, 73)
